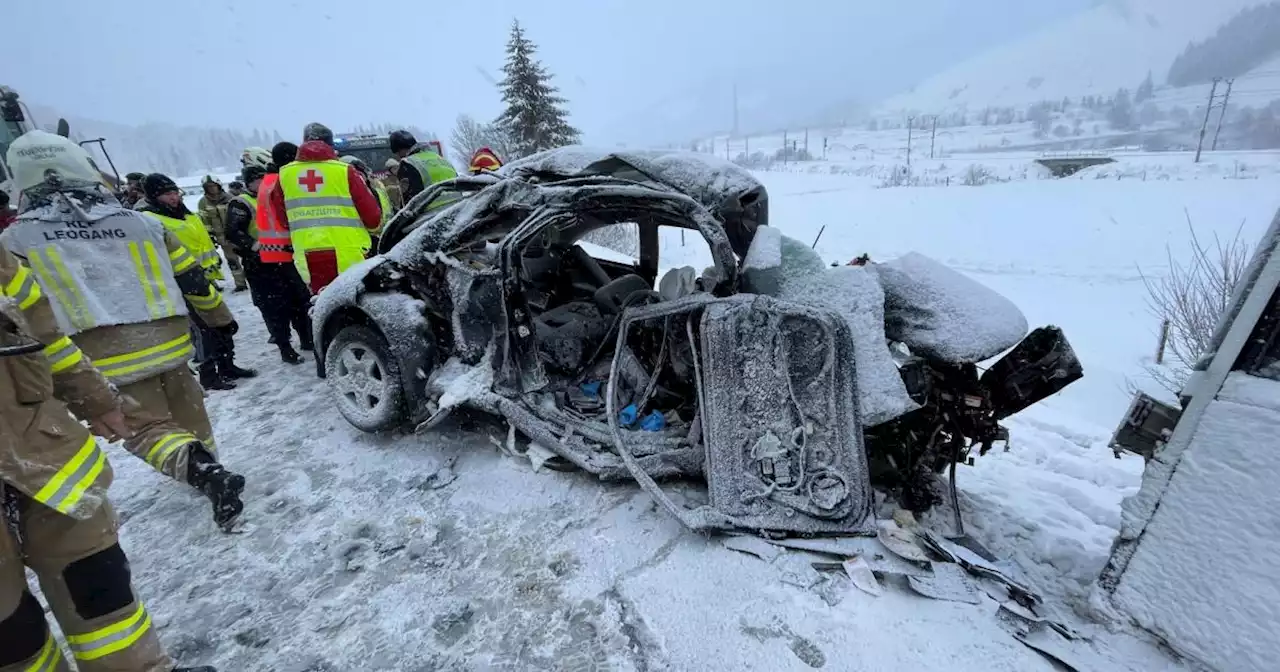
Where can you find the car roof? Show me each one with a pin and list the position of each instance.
(515, 199)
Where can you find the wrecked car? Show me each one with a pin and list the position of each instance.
(489, 294)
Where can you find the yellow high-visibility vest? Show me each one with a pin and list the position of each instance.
(193, 236)
(321, 214)
(252, 202)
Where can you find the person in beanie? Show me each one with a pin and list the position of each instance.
(121, 287)
(276, 288)
(215, 348)
(277, 248)
(420, 165)
(327, 207)
(213, 212)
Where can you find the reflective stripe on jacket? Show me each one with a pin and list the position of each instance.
(274, 244)
(193, 236)
(321, 214)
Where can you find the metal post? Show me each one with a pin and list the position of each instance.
(933, 135)
(910, 121)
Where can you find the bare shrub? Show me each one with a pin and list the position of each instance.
(978, 175)
(1191, 298)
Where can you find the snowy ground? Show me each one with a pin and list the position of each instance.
(439, 552)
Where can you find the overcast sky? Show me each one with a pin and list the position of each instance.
(632, 70)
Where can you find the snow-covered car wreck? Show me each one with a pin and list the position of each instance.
(788, 385)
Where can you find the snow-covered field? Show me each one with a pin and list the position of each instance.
(440, 552)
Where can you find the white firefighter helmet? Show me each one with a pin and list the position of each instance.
(39, 158)
(256, 156)
(355, 161)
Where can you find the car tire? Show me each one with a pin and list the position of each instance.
(364, 379)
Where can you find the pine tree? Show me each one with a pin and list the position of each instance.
(1145, 90)
(534, 119)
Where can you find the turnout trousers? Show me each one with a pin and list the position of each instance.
(168, 420)
(85, 577)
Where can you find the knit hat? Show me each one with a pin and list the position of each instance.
(317, 131)
(401, 140)
(156, 184)
(283, 153)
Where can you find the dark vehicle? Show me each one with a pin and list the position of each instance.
(493, 301)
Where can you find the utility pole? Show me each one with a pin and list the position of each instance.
(1213, 92)
(735, 110)
(1226, 98)
(910, 123)
(933, 135)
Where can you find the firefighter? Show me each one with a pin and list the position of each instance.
(215, 348)
(391, 183)
(327, 208)
(213, 212)
(132, 190)
(420, 165)
(53, 492)
(484, 161)
(274, 284)
(120, 286)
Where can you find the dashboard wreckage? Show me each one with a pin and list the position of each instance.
(788, 386)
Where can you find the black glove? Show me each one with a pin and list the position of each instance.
(230, 329)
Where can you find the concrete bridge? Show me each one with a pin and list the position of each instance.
(1062, 165)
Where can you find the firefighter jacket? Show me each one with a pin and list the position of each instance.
(44, 452)
(213, 212)
(118, 283)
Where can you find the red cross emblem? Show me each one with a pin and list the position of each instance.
(311, 180)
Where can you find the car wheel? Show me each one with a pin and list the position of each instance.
(365, 379)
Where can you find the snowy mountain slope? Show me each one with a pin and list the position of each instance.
(1112, 45)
